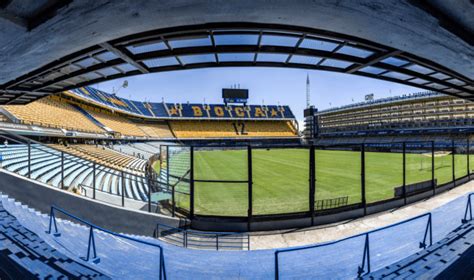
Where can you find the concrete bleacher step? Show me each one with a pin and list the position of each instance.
(26, 256)
(431, 261)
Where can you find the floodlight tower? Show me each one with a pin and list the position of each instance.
(308, 93)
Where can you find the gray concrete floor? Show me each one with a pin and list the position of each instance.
(330, 232)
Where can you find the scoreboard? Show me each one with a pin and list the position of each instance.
(234, 95)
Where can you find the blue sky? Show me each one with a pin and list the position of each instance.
(269, 85)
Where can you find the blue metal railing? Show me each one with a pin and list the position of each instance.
(468, 209)
(203, 240)
(91, 241)
(365, 266)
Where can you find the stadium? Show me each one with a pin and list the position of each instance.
(97, 185)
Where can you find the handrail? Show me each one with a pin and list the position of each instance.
(468, 209)
(52, 148)
(189, 232)
(74, 158)
(366, 256)
(91, 243)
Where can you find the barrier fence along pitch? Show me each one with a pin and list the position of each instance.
(312, 184)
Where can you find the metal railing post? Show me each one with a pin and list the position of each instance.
(365, 257)
(191, 184)
(123, 188)
(62, 170)
(217, 242)
(250, 187)
(468, 210)
(362, 178)
(93, 179)
(428, 233)
(29, 159)
(405, 174)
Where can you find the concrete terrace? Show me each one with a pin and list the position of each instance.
(300, 237)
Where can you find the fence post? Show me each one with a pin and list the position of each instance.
(404, 174)
(149, 193)
(468, 167)
(362, 178)
(217, 242)
(433, 167)
(123, 188)
(173, 197)
(29, 159)
(312, 182)
(62, 170)
(250, 186)
(191, 184)
(93, 179)
(453, 151)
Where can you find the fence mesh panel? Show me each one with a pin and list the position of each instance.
(221, 181)
(280, 180)
(338, 175)
(383, 171)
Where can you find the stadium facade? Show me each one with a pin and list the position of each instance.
(416, 116)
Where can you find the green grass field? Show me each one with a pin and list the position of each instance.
(281, 176)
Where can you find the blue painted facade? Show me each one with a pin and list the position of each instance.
(182, 110)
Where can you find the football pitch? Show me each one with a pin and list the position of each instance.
(281, 178)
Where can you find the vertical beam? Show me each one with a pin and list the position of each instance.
(453, 151)
(29, 159)
(93, 179)
(173, 198)
(122, 175)
(312, 182)
(362, 178)
(433, 167)
(191, 184)
(468, 154)
(62, 170)
(250, 186)
(404, 173)
(149, 181)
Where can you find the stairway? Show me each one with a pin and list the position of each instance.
(442, 260)
(24, 255)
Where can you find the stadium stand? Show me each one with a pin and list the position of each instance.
(118, 123)
(53, 112)
(416, 111)
(24, 255)
(90, 111)
(341, 259)
(158, 130)
(46, 167)
(105, 156)
(228, 129)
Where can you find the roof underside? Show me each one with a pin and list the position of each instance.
(224, 44)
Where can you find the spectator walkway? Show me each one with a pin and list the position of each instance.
(325, 233)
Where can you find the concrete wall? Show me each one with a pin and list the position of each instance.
(40, 197)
